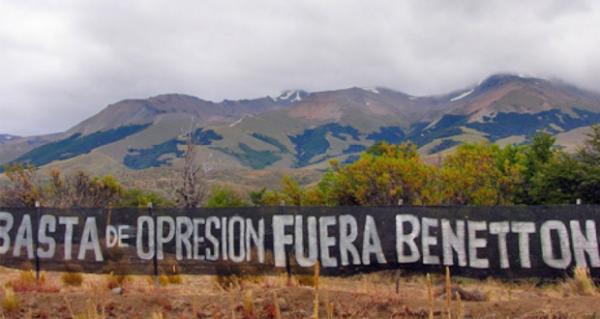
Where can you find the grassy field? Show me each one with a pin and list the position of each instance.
(379, 295)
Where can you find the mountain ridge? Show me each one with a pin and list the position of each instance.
(300, 129)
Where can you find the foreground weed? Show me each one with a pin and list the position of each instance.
(26, 282)
(175, 279)
(232, 282)
(448, 292)
(10, 301)
(459, 307)
(581, 283)
(248, 305)
(276, 308)
(91, 312)
(72, 279)
(430, 295)
(157, 315)
(116, 281)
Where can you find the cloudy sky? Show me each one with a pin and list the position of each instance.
(62, 61)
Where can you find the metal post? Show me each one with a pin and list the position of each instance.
(154, 257)
(35, 241)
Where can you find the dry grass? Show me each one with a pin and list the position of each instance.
(26, 282)
(157, 315)
(91, 311)
(335, 297)
(248, 310)
(28, 276)
(581, 283)
(448, 282)
(163, 280)
(10, 301)
(72, 279)
(175, 279)
(116, 281)
(459, 307)
(276, 313)
(304, 280)
(233, 282)
(429, 296)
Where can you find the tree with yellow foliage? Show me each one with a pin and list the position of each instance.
(479, 174)
(385, 175)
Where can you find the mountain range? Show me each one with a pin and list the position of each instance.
(301, 131)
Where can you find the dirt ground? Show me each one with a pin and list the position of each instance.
(365, 296)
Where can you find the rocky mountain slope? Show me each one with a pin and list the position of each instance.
(304, 130)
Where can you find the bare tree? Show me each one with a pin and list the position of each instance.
(81, 190)
(22, 188)
(191, 190)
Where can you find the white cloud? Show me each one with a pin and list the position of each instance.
(64, 61)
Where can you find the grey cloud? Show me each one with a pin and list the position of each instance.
(63, 61)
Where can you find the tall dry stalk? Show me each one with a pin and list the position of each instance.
(330, 310)
(277, 309)
(329, 307)
(430, 295)
(248, 304)
(157, 315)
(448, 293)
(316, 275)
(459, 307)
(196, 305)
(10, 302)
(69, 308)
(581, 283)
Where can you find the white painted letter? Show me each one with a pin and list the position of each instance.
(257, 237)
(8, 221)
(89, 240)
(550, 259)
(24, 237)
(371, 243)
(313, 251)
(476, 243)
(523, 229)
(280, 238)
(183, 237)
(501, 229)
(585, 244)
(427, 240)
(454, 241)
(327, 241)
(46, 222)
(348, 234)
(408, 239)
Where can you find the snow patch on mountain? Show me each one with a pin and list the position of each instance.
(372, 90)
(291, 96)
(462, 95)
(298, 98)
